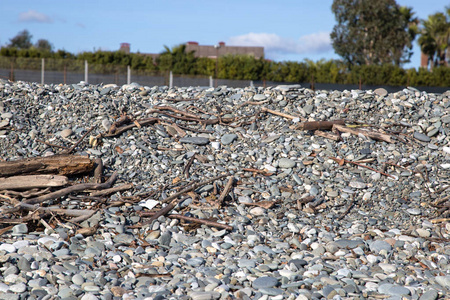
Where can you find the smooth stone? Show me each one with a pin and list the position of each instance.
(259, 97)
(78, 279)
(421, 137)
(381, 92)
(89, 296)
(286, 163)
(414, 211)
(257, 211)
(265, 282)
(195, 261)
(443, 281)
(429, 295)
(106, 124)
(204, 295)
(8, 248)
(20, 229)
(271, 292)
(227, 139)
(246, 263)
(446, 149)
(123, 238)
(196, 140)
(378, 245)
(66, 132)
(18, 287)
(357, 184)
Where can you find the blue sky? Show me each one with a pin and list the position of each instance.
(288, 29)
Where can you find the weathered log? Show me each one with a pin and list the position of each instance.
(74, 188)
(319, 125)
(371, 134)
(32, 181)
(56, 164)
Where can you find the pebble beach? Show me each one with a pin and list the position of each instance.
(307, 222)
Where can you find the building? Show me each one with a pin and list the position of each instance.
(209, 51)
(125, 47)
(221, 49)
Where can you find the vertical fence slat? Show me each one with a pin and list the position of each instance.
(85, 71)
(43, 71)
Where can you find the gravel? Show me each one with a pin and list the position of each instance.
(304, 226)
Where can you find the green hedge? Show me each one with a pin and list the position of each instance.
(241, 67)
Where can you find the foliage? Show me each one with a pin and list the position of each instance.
(434, 40)
(372, 32)
(21, 41)
(43, 45)
(243, 67)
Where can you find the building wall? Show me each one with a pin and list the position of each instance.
(222, 49)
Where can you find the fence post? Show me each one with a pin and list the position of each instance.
(210, 81)
(42, 71)
(86, 71)
(170, 80)
(128, 75)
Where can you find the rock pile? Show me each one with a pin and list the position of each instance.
(328, 214)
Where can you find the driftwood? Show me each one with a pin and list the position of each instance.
(32, 181)
(328, 135)
(98, 171)
(371, 134)
(225, 191)
(173, 199)
(278, 113)
(56, 164)
(191, 219)
(119, 130)
(319, 125)
(342, 161)
(112, 190)
(74, 188)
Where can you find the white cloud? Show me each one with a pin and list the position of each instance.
(273, 44)
(34, 16)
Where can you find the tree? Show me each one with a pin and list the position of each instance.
(372, 32)
(434, 38)
(177, 60)
(43, 45)
(22, 40)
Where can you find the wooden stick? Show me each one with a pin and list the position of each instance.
(74, 188)
(278, 113)
(122, 129)
(262, 172)
(225, 191)
(174, 198)
(177, 111)
(319, 125)
(339, 161)
(188, 166)
(330, 136)
(58, 164)
(373, 135)
(191, 219)
(78, 142)
(98, 171)
(32, 181)
(51, 145)
(109, 191)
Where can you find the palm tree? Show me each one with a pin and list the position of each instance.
(412, 23)
(434, 39)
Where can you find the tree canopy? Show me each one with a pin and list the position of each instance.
(434, 40)
(372, 32)
(21, 41)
